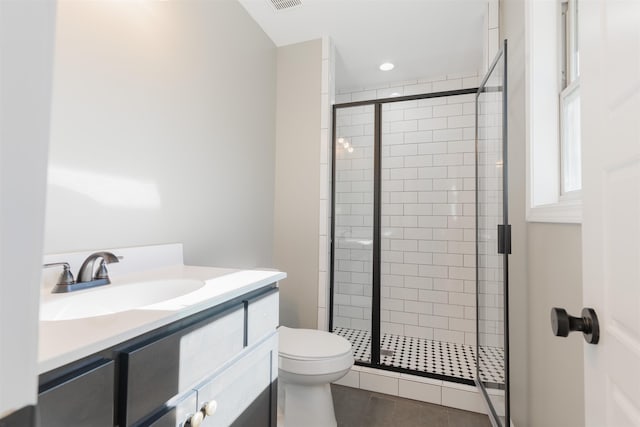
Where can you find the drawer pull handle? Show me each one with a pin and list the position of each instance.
(209, 408)
(195, 420)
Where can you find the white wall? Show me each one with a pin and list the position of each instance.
(297, 188)
(545, 271)
(327, 99)
(163, 130)
(511, 28)
(26, 47)
(556, 382)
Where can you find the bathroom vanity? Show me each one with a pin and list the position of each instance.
(204, 352)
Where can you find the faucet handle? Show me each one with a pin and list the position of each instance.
(66, 277)
(101, 272)
(55, 264)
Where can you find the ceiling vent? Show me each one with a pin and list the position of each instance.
(285, 4)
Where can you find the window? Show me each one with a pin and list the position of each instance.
(554, 177)
(569, 33)
(570, 151)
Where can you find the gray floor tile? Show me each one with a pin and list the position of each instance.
(408, 414)
(434, 415)
(361, 408)
(458, 418)
(379, 412)
(349, 407)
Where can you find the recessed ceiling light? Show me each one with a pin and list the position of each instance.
(387, 66)
(395, 94)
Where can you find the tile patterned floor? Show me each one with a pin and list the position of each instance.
(361, 408)
(419, 354)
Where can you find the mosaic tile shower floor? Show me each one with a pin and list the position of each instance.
(423, 355)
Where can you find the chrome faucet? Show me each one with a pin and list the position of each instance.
(86, 272)
(88, 275)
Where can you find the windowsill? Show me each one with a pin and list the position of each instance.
(565, 211)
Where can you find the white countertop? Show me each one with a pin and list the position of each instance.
(64, 341)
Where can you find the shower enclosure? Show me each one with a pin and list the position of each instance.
(493, 240)
(418, 276)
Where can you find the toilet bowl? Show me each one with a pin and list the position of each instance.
(308, 361)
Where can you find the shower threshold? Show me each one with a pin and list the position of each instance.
(447, 360)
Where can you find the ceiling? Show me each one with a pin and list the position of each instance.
(423, 38)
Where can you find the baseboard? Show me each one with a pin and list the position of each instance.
(440, 392)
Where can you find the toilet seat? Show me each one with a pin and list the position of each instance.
(312, 352)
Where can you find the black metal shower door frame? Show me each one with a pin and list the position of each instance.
(377, 205)
(504, 242)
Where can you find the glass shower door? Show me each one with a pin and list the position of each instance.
(353, 231)
(493, 241)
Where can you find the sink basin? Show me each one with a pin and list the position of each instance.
(115, 299)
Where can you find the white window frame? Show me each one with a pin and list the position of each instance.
(570, 81)
(572, 90)
(543, 53)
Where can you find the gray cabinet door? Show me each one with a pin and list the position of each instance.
(159, 370)
(152, 378)
(84, 398)
(178, 414)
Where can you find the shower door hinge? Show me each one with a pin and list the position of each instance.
(504, 239)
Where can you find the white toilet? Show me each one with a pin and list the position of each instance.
(308, 362)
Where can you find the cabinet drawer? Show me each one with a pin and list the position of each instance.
(158, 371)
(262, 317)
(238, 389)
(85, 399)
(178, 414)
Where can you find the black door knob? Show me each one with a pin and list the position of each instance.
(562, 324)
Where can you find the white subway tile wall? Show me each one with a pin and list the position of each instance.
(427, 219)
(353, 238)
(490, 202)
(420, 388)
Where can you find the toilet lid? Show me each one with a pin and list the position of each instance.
(311, 344)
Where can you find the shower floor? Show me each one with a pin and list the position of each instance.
(453, 360)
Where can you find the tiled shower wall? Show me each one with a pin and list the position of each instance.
(428, 219)
(490, 213)
(428, 212)
(353, 238)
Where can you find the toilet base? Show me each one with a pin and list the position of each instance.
(305, 405)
